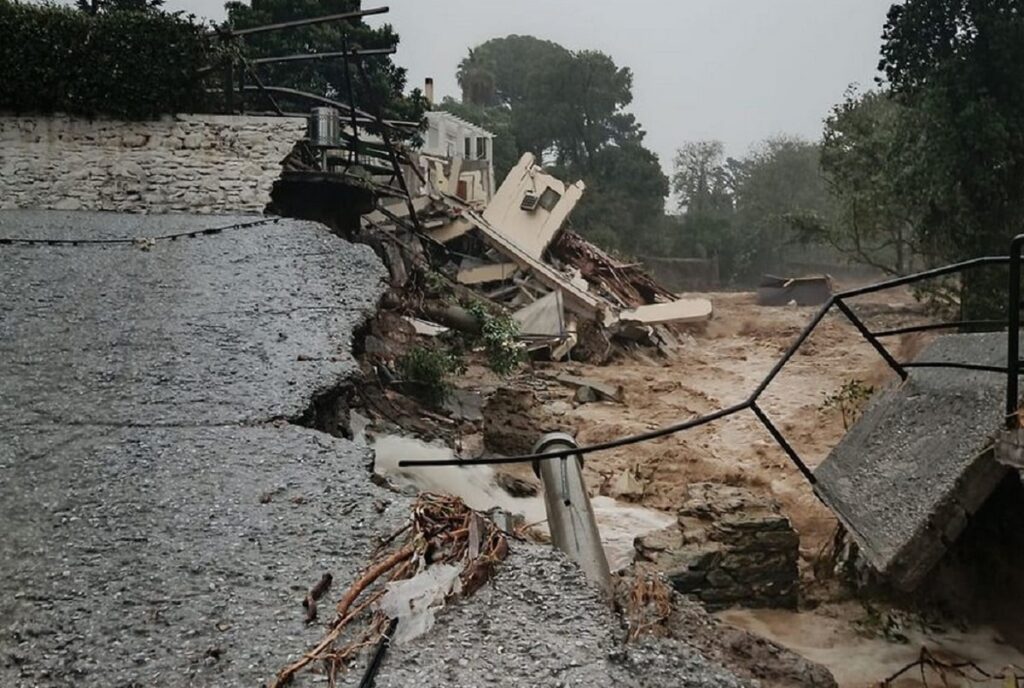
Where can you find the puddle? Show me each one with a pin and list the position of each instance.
(829, 638)
(618, 523)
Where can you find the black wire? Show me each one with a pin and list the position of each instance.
(135, 240)
(370, 676)
(749, 403)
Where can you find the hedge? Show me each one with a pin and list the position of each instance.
(127, 64)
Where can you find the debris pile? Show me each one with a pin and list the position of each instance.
(729, 547)
(515, 254)
(446, 549)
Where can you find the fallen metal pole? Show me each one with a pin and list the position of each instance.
(306, 57)
(307, 22)
(570, 515)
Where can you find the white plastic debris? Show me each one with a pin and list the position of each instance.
(414, 601)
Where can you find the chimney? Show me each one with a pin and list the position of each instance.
(428, 91)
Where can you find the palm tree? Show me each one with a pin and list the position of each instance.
(476, 80)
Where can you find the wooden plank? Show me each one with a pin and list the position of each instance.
(497, 272)
(680, 311)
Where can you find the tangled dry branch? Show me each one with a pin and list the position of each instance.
(442, 530)
(646, 601)
(968, 671)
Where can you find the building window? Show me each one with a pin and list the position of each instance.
(549, 199)
(481, 148)
(468, 147)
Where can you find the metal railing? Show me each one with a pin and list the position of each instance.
(837, 301)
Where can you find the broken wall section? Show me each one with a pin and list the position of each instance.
(194, 163)
(729, 547)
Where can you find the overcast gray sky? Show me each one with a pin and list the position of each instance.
(734, 70)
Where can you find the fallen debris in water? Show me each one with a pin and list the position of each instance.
(803, 291)
(966, 670)
(443, 534)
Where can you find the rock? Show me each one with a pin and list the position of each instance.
(626, 486)
(514, 420)
(728, 547)
(134, 140)
(585, 395)
(517, 487)
(68, 204)
(559, 408)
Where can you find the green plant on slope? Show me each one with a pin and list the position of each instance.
(498, 335)
(850, 399)
(428, 371)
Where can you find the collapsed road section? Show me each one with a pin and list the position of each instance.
(164, 512)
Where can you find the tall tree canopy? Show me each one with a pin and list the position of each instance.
(701, 180)
(867, 150)
(747, 212)
(97, 6)
(568, 108)
(958, 66)
(386, 81)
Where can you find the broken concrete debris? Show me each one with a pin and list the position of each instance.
(597, 390)
(514, 252)
(729, 547)
(803, 291)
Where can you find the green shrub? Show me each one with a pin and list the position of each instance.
(127, 64)
(850, 399)
(427, 372)
(498, 335)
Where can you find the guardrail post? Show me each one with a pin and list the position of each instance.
(570, 515)
(1013, 334)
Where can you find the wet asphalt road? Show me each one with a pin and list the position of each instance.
(158, 528)
(162, 521)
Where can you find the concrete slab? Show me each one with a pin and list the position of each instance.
(919, 461)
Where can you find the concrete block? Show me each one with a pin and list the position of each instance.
(918, 460)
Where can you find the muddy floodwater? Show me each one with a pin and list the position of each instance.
(619, 523)
(857, 658)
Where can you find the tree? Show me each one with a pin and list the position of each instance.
(97, 6)
(864, 158)
(701, 178)
(509, 64)
(779, 181)
(702, 181)
(744, 212)
(625, 199)
(384, 83)
(568, 108)
(958, 65)
(477, 81)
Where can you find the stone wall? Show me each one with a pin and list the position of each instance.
(683, 274)
(729, 547)
(196, 163)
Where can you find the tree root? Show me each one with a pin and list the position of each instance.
(439, 531)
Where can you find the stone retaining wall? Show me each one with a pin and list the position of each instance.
(196, 163)
(729, 547)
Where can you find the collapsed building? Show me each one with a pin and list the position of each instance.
(509, 246)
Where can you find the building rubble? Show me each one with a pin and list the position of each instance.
(514, 251)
